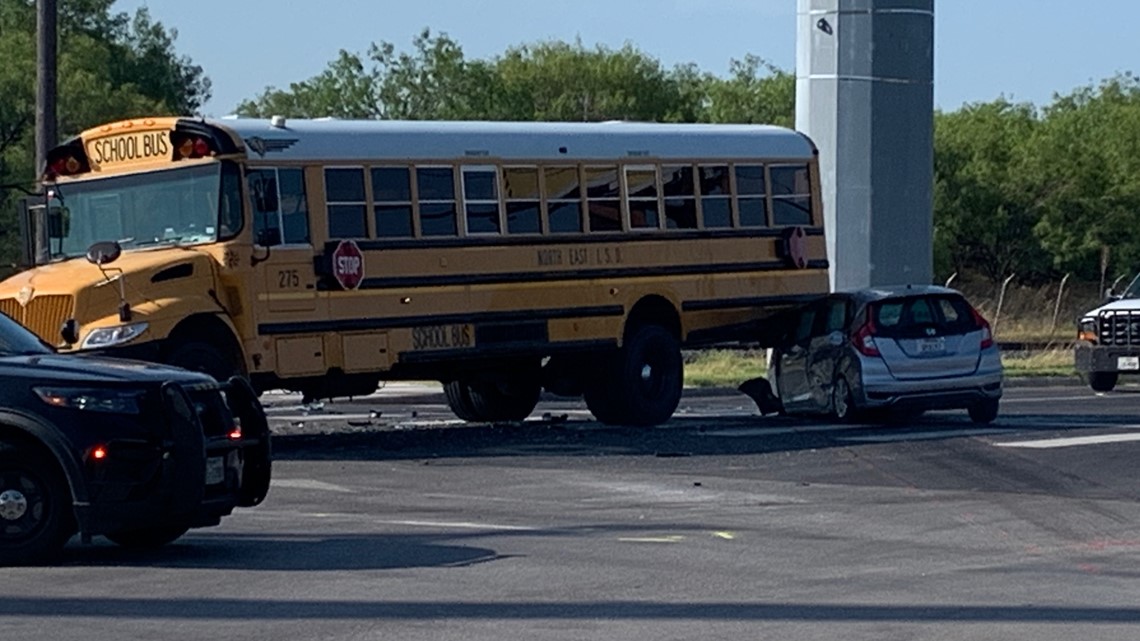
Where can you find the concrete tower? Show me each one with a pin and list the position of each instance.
(865, 94)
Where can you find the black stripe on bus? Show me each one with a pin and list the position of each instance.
(508, 349)
(361, 324)
(568, 239)
(578, 274)
(751, 301)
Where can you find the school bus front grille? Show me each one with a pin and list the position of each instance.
(44, 315)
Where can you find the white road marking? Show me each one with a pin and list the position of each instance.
(458, 525)
(1073, 441)
(311, 484)
(1051, 399)
(922, 436)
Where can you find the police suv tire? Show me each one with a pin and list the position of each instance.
(1103, 381)
(36, 532)
(645, 383)
(984, 412)
(200, 356)
(148, 538)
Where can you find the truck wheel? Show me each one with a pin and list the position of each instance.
(35, 507)
(148, 538)
(643, 387)
(1103, 381)
(200, 356)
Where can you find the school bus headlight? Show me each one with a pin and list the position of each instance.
(111, 336)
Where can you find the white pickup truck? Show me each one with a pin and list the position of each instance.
(1108, 340)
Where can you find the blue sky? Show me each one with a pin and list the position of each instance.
(1023, 49)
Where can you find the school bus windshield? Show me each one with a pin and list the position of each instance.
(185, 206)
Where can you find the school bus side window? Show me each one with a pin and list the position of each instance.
(435, 187)
(344, 193)
(524, 200)
(716, 196)
(680, 197)
(603, 198)
(392, 195)
(280, 209)
(563, 200)
(750, 201)
(791, 195)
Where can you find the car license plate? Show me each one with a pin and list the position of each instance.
(931, 345)
(215, 470)
(1128, 362)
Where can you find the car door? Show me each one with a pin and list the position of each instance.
(791, 377)
(828, 340)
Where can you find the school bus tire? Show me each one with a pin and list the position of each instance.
(38, 520)
(508, 399)
(642, 388)
(460, 400)
(202, 356)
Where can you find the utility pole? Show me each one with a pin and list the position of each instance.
(46, 44)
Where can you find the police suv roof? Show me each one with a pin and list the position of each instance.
(355, 140)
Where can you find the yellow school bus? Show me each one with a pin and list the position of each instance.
(325, 256)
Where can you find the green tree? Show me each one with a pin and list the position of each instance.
(1088, 162)
(985, 203)
(549, 80)
(756, 91)
(111, 66)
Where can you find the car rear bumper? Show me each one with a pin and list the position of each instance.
(932, 394)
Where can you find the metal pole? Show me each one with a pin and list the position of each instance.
(46, 44)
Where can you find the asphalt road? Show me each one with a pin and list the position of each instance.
(389, 520)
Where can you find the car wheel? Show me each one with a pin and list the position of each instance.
(842, 401)
(985, 411)
(35, 507)
(1103, 381)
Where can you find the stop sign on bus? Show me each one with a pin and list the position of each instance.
(348, 264)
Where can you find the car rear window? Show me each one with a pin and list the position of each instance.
(914, 317)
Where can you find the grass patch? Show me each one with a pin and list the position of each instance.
(723, 368)
(1054, 362)
(730, 368)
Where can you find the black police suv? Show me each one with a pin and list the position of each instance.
(137, 452)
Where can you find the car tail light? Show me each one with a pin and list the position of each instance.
(864, 337)
(984, 325)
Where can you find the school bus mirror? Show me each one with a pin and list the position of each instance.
(58, 221)
(104, 252)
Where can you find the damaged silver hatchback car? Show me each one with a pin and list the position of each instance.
(900, 350)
